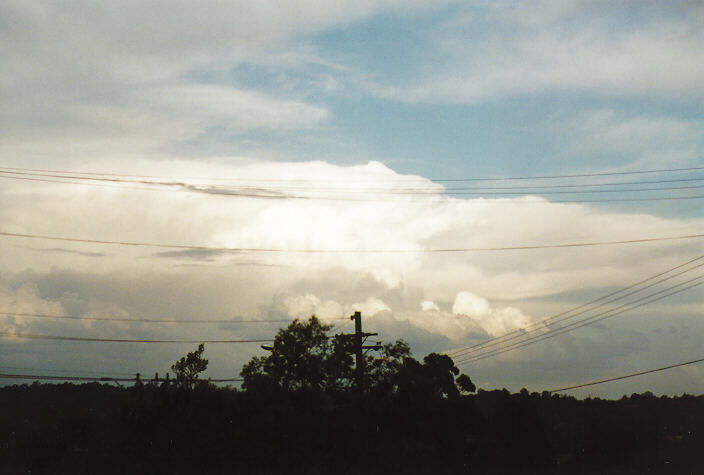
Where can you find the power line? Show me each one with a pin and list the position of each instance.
(581, 192)
(65, 378)
(308, 180)
(347, 251)
(588, 321)
(563, 316)
(260, 191)
(119, 340)
(58, 370)
(347, 190)
(620, 200)
(273, 194)
(187, 190)
(576, 175)
(640, 373)
(102, 378)
(75, 175)
(584, 322)
(577, 185)
(143, 320)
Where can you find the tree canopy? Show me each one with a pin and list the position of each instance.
(304, 357)
(189, 367)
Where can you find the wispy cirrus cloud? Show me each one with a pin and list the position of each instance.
(507, 49)
(82, 78)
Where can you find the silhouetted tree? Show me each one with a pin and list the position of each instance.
(432, 379)
(383, 371)
(302, 357)
(189, 367)
(465, 384)
(440, 371)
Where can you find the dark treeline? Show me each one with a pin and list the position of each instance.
(94, 428)
(300, 412)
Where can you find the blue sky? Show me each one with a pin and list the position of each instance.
(330, 99)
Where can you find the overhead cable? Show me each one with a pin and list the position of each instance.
(415, 190)
(587, 321)
(120, 340)
(587, 307)
(348, 251)
(143, 320)
(107, 379)
(617, 378)
(16, 368)
(269, 195)
(308, 180)
(284, 191)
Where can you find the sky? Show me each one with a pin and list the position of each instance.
(403, 136)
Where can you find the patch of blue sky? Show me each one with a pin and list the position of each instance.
(388, 49)
(441, 141)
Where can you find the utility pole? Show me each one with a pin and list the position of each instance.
(359, 347)
(359, 355)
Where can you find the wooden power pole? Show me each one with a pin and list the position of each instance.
(359, 347)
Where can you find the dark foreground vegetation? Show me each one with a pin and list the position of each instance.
(300, 412)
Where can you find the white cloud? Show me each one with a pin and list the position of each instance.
(137, 41)
(429, 305)
(303, 306)
(371, 307)
(456, 328)
(406, 223)
(85, 79)
(495, 322)
(467, 303)
(231, 108)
